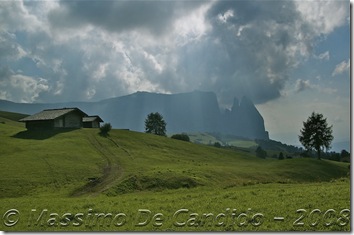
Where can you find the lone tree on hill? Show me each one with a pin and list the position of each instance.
(105, 128)
(155, 124)
(316, 134)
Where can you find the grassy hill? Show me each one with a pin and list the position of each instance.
(12, 116)
(81, 169)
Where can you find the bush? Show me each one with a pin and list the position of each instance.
(105, 128)
(217, 144)
(183, 137)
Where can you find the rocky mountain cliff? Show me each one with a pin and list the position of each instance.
(244, 118)
(184, 112)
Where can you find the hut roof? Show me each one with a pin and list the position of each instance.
(50, 114)
(92, 118)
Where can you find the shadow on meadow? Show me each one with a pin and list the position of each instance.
(40, 134)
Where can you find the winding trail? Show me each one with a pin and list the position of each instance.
(112, 171)
(116, 144)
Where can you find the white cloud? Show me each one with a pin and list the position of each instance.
(10, 50)
(191, 27)
(341, 68)
(324, 16)
(153, 62)
(302, 85)
(323, 56)
(100, 72)
(223, 17)
(23, 88)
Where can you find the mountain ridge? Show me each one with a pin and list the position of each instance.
(183, 112)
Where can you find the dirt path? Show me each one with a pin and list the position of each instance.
(116, 144)
(112, 171)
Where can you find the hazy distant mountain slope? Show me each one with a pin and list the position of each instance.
(185, 112)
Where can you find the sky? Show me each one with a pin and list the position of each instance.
(290, 57)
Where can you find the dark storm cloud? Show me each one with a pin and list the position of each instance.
(118, 16)
(253, 43)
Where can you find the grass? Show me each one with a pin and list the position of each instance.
(132, 171)
(270, 200)
(12, 116)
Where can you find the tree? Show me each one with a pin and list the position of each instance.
(182, 136)
(316, 134)
(344, 153)
(217, 144)
(155, 124)
(281, 156)
(105, 128)
(345, 156)
(260, 152)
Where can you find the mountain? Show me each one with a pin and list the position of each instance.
(184, 112)
(244, 118)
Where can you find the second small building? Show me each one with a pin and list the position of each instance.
(91, 121)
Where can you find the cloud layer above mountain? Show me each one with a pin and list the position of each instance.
(52, 51)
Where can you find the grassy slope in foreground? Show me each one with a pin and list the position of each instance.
(271, 200)
(129, 161)
(130, 164)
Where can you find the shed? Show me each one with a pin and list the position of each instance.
(91, 121)
(55, 118)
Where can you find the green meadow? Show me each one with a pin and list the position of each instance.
(77, 180)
